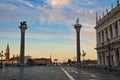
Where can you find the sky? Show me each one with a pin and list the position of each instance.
(50, 26)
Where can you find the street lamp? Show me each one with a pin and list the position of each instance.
(109, 48)
(13, 60)
(84, 53)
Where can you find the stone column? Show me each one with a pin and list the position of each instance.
(118, 57)
(103, 58)
(102, 33)
(98, 39)
(108, 29)
(119, 27)
(107, 57)
(114, 32)
(105, 35)
(99, 59)
(115, 58)
(102, 62)
(101, 37)
(23, 27)
(77, 28)
(106, 60)
(112, 57)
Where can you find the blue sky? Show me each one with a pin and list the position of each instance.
(50, 29)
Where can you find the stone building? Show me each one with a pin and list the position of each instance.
(42, 61)
(108, 37)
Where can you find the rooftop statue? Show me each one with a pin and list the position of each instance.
(77, 21)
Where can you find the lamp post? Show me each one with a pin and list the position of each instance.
(13, 60)
(77, 27)
(109, 48)
(84, 53)
(1, 55)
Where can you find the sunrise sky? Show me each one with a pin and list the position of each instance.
(50, 29)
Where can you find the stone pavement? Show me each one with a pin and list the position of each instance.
(90, 74)
(33, 73)
(54, 73)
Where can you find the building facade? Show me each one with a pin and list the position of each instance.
(42, 61)
(108, 37)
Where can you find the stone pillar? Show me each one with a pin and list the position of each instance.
(101, 37)
(108, 29)
(114, 32)
(103, 58)
(106, 60)
(99, 59)
(112, 61)
(107, 57)
(106, 33)
(102, 62)
(105, 36)
(97, 38)
(115, 58)
(119, 57)
(112, 57)
(119, 27)
(23, 27)
(77, 28)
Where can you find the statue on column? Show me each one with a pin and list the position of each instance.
(23, 24)
(77, 21)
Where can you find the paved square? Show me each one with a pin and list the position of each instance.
(33, 73)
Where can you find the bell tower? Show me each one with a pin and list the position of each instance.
(7, 53)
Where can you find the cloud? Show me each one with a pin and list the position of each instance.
(58, 3)
(48, 15)
(45, 14)
(25, 3)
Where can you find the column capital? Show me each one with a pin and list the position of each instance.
(77, 27)
(23, 26)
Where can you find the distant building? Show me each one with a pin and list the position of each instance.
(27, 59)
(14, 59)
(7, 53)
(108, 37)
(42, 61)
